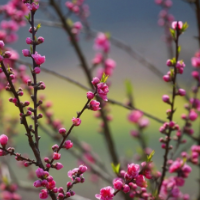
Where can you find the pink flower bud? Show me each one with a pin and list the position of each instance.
(36, 70)
(165, 98)
(95, 81)
(181, 92)
(195, 75)
(68, 144)
(3, 140)
(29, 40)
(38, 58)
(69, 184)
(90, 95)
(40, 40)
(140, 181)
(169, 63)
(1, 58)
(39, 172)
(58, 166)
(7, 54)
(163, 146)
(118, 183)
(62, 131)
(126, 188)
(1, 44)
(193, 115)
(82, 169)
(177, 25)
(167, 78)
(94, 105)
(43, 194)
(26, 52)
(56, 156)
(37, 183)
(76, 121)
(55, 147)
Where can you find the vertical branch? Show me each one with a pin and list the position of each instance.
(197, 4)
(172, 112)
(107, 134)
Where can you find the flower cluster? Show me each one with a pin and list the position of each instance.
(128, 182)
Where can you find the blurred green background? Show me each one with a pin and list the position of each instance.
(135, 23)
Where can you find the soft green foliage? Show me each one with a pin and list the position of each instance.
(104, 78)
(115, 168)
(150, 156)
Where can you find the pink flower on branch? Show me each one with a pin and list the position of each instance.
(38, 58)
(106, 193)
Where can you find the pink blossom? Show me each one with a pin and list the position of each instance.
(26, 52)
(140, 181)
(72, 173)
(195, 74)
(193, 115)
(32, 7)
(1, 58)
(97, 59)
(58, 166)
(181, 92)
(109, 66)
(37, 183)
(102, 90)
(56, 156)
(39, 172)
(36, 70)
(3, 140)
(7, 54)
(165, 98)
(43, 194)
(68, 144)
(94, 105)
(176, 165)
(135, 116)
(179, 181)
(102, 42)
(90, 95)
(195, 62)
(144, 122)
(38, 58)
(82, 169)
(40, 40)
(186, 169)
(133, 170)
(167, 78)
(62, 131)
(76, 121)
(106, 193)
(177, 24)
(118, 183)
(126, 188)
(95, 81)
(29, 40)
(158, 1)
(51, 184)
(1, 44)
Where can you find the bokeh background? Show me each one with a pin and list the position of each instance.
(135, 23)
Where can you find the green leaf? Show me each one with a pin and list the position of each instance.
(173, 33)
(115, 168)
(28, 16)
(5, 180)
(129, 87)
(104, 78)
(179, 49)
(150, 156)
(31, 49)
(69, 22)
(108, 34)
(185, 26)
(38, 26)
